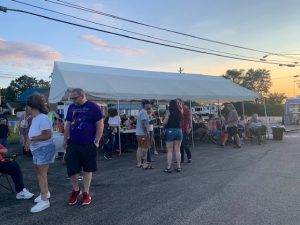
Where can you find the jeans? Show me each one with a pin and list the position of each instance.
(173, 134)
(3, 141)
(13, 169)
(116, 145)
(185, 147)
(108, 148)
(148, 155)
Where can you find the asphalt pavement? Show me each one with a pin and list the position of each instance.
(254, 185)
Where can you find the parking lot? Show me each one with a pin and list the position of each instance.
(252, 185)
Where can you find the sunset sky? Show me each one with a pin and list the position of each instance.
(29, 45)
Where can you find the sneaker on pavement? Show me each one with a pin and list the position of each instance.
(38, 198)
(24, 194)
(86, 199)
(40, 206)
(189, 161)
(73, 198)
(105, 157)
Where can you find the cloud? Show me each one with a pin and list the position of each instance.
(102, 45)
(18, 53)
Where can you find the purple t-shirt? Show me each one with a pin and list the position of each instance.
(83, 120)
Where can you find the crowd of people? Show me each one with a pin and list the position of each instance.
(85, 129)
(221, 129)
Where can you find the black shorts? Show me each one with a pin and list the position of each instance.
(81, 157)
(232, 131)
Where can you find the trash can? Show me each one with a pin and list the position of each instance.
(278, 132)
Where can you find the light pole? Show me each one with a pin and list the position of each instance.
(295, 76)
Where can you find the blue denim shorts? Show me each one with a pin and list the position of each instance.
(44, 155)
(173, 134)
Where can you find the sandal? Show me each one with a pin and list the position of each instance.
(178, 169)
(168, 170)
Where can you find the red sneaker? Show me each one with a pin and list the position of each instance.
(86, 199)
(74, 196)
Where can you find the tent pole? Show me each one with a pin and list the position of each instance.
(120, 144)
(243, 106)
(191, 121)
(159, 127)
(266, 116)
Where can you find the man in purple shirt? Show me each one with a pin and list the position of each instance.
(83, 131)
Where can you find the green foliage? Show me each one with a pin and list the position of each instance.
(14, 138)
(259, 81)
(19, 85)
(253, 107)
(256, 80)
(8, 95)
(235, 75)
(276, 98)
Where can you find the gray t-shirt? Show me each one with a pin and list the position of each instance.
(233, 118)
(142, 116)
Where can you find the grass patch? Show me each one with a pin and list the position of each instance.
(14, 138)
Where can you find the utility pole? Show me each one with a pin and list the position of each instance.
(3, 9)
(180, 70)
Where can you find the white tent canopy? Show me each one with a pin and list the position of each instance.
(105, 83)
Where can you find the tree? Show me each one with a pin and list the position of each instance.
(256, 80)
(19, 85)
(234, 75)
(43, 84)
(276, 98)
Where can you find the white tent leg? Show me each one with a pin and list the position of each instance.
(120, 144)
(243, 106)
(192, 124)
(267, 120)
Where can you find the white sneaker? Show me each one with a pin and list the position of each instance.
(39, 198)
(24, 194)
(40, 206)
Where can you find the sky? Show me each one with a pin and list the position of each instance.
(30, 45)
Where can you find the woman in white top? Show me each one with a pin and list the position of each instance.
(41, 144)
(114, 119)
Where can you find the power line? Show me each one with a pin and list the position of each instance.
(6, 76)
(74, 6)
(148, 36)
(144, 40)
(144, 35)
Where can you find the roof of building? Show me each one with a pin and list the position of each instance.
(30, 91)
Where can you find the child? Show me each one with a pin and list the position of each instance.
(59, 125)
(4, 132)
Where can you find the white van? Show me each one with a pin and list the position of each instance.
(205, 110)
